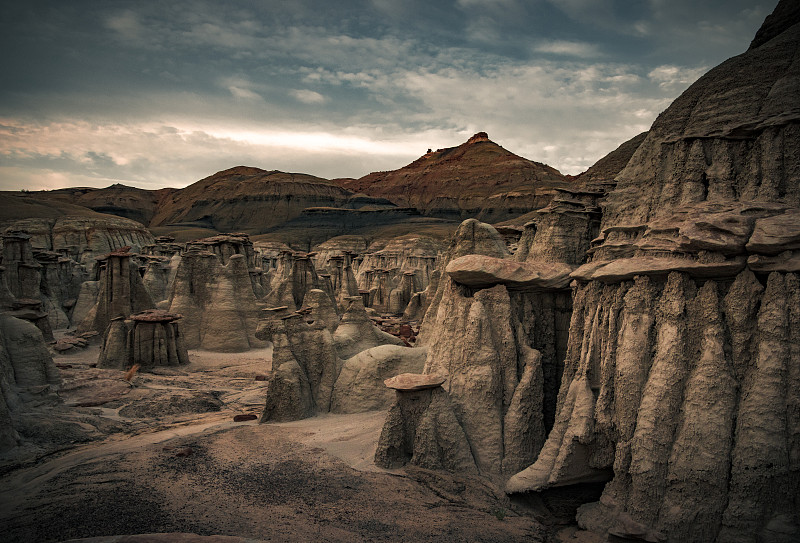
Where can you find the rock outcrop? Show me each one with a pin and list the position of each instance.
(357, 333)
(27, 375)
(214, 292)
(421, 428)
(148, 339)
(84, 238)
(679, 380)
(360, 387)
(120, 292)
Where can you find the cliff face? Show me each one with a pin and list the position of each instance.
(476, 179)
(248, 199)
(677, 382)
(680, 377)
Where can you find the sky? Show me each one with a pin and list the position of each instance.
(158, 94)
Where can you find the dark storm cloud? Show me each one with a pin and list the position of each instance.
(158, 94)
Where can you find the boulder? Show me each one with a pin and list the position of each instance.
(360, 385)
(357, 333)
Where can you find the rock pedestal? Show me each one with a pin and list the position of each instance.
(23, 275)
(121, 292)
(149, 339)
(421, 428)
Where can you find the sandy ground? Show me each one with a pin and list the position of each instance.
(163, 455)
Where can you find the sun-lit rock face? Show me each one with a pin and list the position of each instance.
(475, 179)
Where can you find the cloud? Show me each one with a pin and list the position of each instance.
(675, 76)
(126, 24)
(153, 94)
(246, 94)
(570, 48)
(308, 96)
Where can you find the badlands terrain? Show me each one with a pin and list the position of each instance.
(473, 347)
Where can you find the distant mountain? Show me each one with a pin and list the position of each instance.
(478, 178)
(247, 199)
(130, 202)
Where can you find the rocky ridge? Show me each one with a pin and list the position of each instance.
(475, 179)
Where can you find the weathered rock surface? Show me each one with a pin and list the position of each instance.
(603, 172)
(27, 374)
(357, 333)
(471, 238)
(421, 429)
(478, 271)
(148, 339)
(479, 347)
(84, 238)
(120, 292)
(360, 385)
(219, 306)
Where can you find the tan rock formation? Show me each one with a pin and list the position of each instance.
(421, 429)
(360, 385)
(219, 307)
(84, 238)
(357, 333)
(27, 374)
(120, 292)
(148, 339)
(495, 379)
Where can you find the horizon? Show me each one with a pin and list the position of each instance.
(163, 96)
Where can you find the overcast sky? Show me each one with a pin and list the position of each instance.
(155, 94)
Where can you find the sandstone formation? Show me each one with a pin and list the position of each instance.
(476, 179)
(359, 386)
(44, 284)
(471, 238)
(421, 428)
(678, 385)
(305, 366)
(27, 374)
(214, 292)
(120, 292)
(357, 333)
(604, 171)
(84, 238)
(148, 339)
